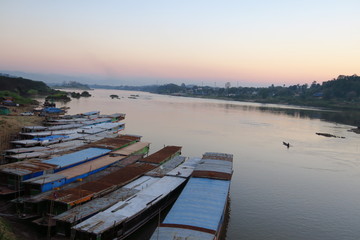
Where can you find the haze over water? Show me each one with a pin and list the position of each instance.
(309, 191)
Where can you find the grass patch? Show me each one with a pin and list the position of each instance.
(6, 232)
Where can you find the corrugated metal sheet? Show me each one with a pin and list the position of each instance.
(167, 233)
(141, 183)
(131, 149)
(25, 168)
(63, 127)
(66, 144)
(49, 133)
(218, 156)
(98, 175)
(131, 137)
(123, 210)
(167, 167)
(77, 157)
(34, 128)
(215, 165)
(115, 179)
(201, 204)
(26, 142)
(92, 130)
(26, 150)
(162, 155)
(99, 204)
(110, 143)
(84, 211)
(211, 168)
(90, 166)
(185, 169)
(22, 156)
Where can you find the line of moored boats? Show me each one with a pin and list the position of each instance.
(77, 176)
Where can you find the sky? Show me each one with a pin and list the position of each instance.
(141, 42)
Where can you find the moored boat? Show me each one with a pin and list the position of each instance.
(199, 211)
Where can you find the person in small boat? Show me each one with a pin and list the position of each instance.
(286, 144)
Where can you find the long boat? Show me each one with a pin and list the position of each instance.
(57, 179)
(126, 216)
(64, 200)
(68, 135)
(199, 211)
(66, 220)
(13, 175)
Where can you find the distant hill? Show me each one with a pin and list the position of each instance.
(71, 85)
(23, 86)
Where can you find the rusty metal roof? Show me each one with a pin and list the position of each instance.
(26, 167)
(162, 155)
(166, 167)
(113, 180)
(131, 149)
(218, 156)
(110, 143)
(215, 165)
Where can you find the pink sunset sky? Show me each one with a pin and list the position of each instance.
(249, 43)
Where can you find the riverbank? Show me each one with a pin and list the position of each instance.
(11, 124)
(318, 103)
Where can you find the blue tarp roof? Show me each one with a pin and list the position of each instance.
(52, 110)
(77, 157)
(201, 204)
(51, 137)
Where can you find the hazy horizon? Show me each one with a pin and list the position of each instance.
(247, 43)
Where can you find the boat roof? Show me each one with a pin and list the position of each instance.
(165, 233)
(211, 168)
(98, 204)
(123, 210)
(90, 166)
(162, 155)
(49, 133)
(26, 167)
(90, 113)
(43, 179)
(63, 127)
(218, 156)
(76, 157)
(26, 150)
(215, 165)
(131, 148)
(25, 142)
(27, 155)
(201, 204)
(34, 128)
(167, 167)
(185, 169)
(113, 180)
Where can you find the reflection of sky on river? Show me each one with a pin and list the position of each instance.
(309, 191)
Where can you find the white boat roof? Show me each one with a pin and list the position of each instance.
(26, 150)
(29, 155)
(26, 142)
(185, 169)
(124, 210)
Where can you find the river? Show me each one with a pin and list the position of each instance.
(308, 191)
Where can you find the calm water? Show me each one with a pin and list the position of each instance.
(309, 191)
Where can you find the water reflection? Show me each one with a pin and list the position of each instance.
(307, 191)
